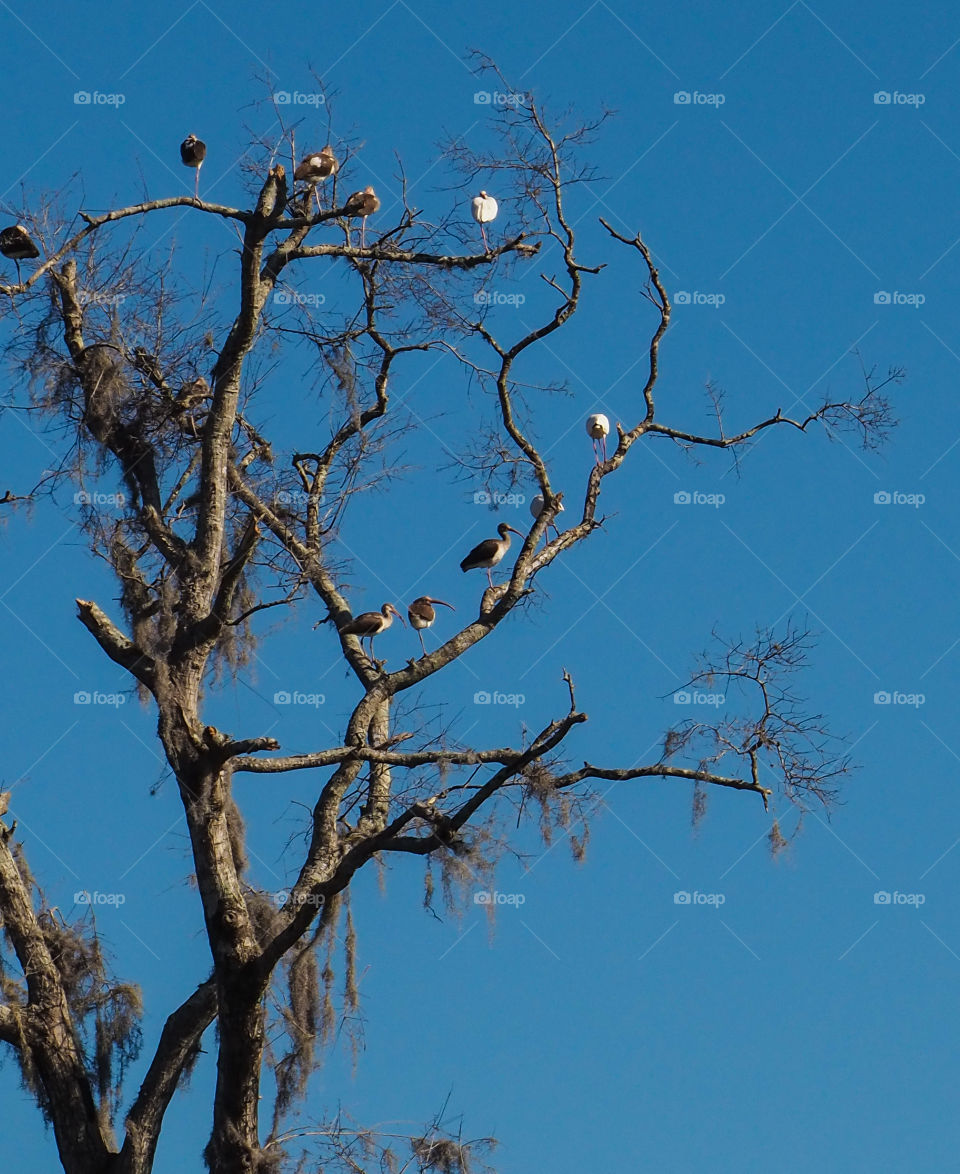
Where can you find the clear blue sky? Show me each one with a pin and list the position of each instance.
(800, 1026)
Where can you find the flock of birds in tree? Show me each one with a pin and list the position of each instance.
(17, 245)
(484, 557)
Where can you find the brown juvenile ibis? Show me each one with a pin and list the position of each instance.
(369, 624)
(192, 154)
(598, 427)
(484, 209)
(313, 168)
(421, 614)
(363, 204)
(192, 394)
(489, 552)
(17, 244)
(536, 509)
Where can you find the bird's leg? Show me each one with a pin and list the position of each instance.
(483, 233)
(422, 645)
(489, 577)
(316, 192)
(603, 446)
(363, 233)
(196, 185)
(16, 262)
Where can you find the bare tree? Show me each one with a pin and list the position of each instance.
(154, 390)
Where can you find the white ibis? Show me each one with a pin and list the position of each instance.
(484, 209)
(371, 623)
(363, 204)
(314, 168)
(598, 428)
(421, 614)
(192, 154)
(536, 509)
(489, 552)
(17, 244)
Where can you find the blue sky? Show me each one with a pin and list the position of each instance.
(600, 1025)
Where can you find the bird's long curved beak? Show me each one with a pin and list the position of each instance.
(516, 531)
(444, 602)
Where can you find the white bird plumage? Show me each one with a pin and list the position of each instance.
(598, 429)
(536, 509)
(484, 209)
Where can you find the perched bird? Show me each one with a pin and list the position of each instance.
(192, 154)
(421, 614)
(369, 624)
(17, 244)
(598, 427)
(536, 509)
(484, 209)
(314, 168)
(489, 552)
(192, 394)
(363, 204)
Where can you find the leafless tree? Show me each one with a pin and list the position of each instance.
(153, 390)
